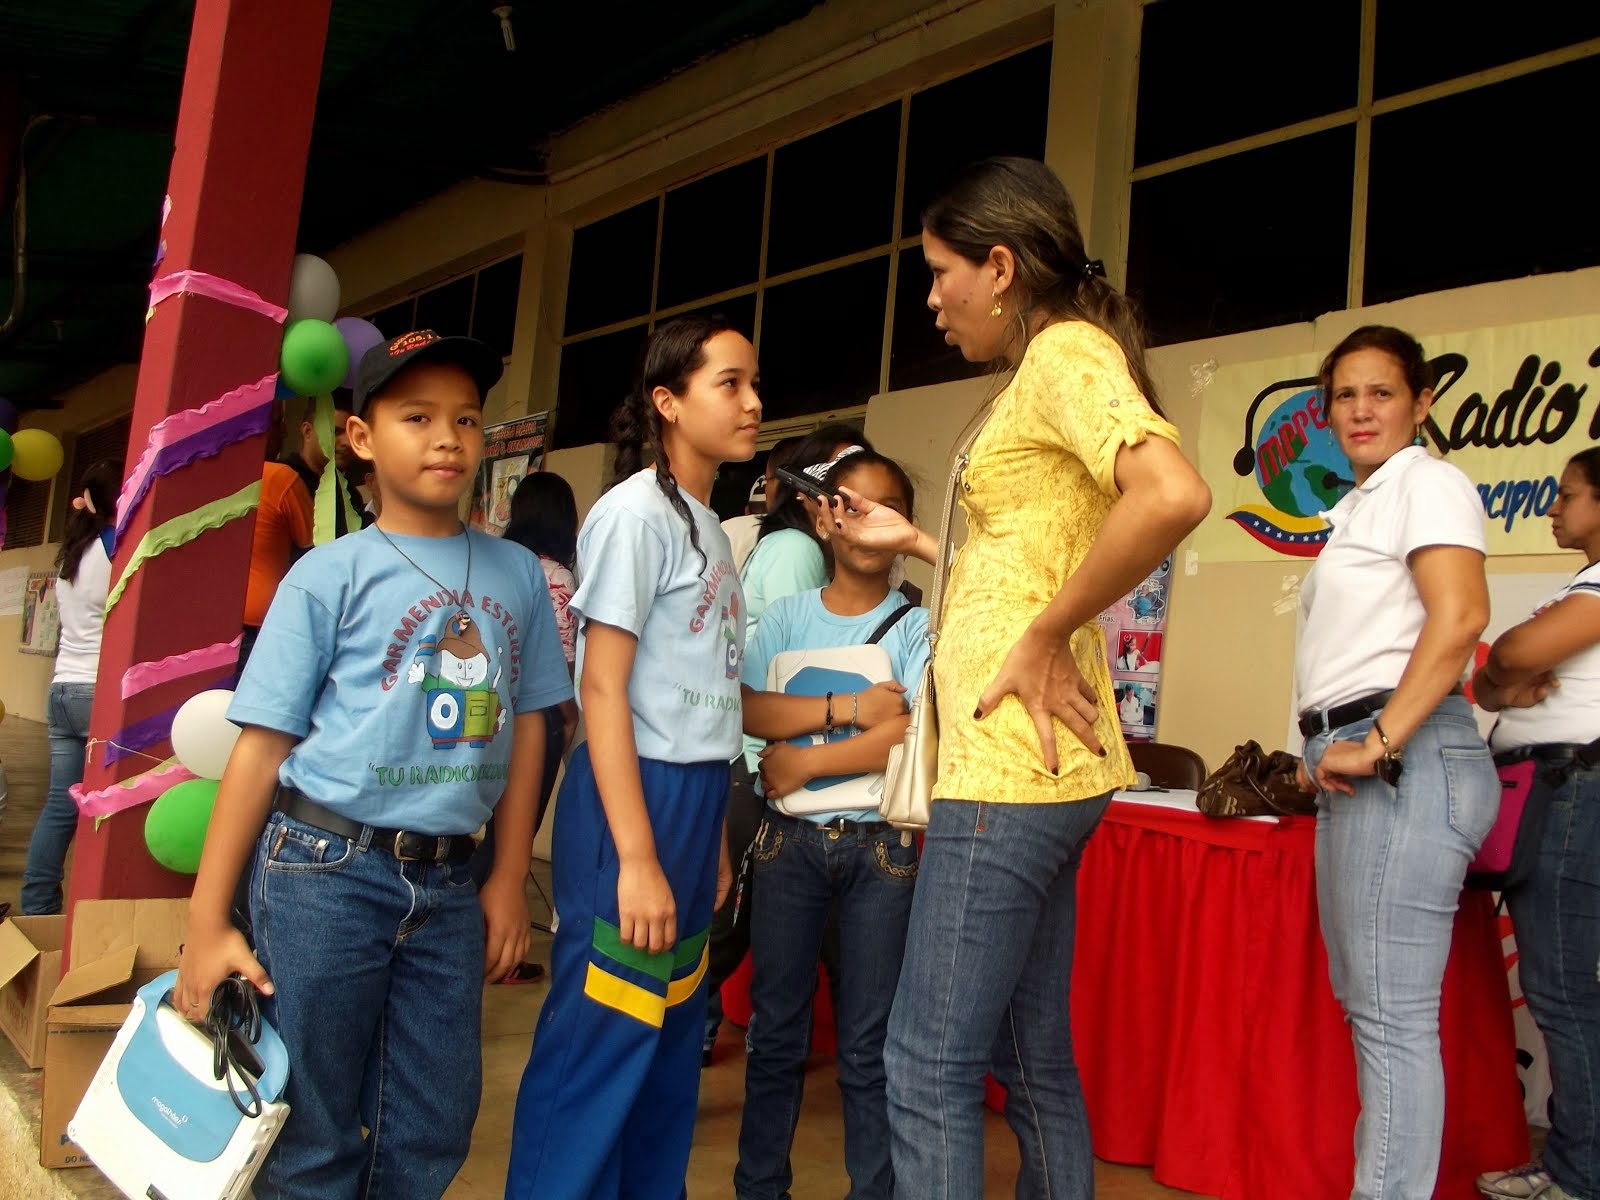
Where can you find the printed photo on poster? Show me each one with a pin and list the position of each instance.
(1135, 633)
(41, 618)
(1136, 709)
(510, 451)
(1137, 652)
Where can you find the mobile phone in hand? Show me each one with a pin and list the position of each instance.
(805, 485)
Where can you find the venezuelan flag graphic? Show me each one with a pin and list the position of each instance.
(1301, 537)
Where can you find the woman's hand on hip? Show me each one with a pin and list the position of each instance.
(1345, 761)
(1041, 672)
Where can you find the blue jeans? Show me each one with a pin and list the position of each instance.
(68, 724)
(1390, 864)
(987, 973)
(801, 871)
(1557, 919)
(378, 967)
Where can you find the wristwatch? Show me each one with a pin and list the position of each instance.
(1388, 767)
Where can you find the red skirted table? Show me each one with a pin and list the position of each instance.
(1208, 1039)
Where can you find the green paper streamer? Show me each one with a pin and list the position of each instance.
(185, 528)
(330, 490)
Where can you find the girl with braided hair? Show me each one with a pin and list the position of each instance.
(607, 1104)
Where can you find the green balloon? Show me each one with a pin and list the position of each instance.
(315, 357)
(6, 452)
(175, 827)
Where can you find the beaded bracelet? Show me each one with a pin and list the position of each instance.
(827, 727)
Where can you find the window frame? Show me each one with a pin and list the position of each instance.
(1361, 115)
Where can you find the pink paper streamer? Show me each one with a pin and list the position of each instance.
(143, 676)
(185, 424)
(199, 283)
(131, 792)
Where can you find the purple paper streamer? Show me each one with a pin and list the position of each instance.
(202, 444)
(131, 739)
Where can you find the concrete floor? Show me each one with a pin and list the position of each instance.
(509, 1014)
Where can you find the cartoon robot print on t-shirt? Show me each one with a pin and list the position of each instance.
(463, 702)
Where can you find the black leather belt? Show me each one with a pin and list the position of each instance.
(839, 825)
(402, 843)
(1313, 722)
(1552, 753)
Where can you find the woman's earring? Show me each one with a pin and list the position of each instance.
(1417, 439)
(997, 310)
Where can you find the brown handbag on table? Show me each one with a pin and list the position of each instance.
(1253, 783)
(914, 764)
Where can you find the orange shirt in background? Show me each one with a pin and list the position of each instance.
(283, 525)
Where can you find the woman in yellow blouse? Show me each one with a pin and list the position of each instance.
(1075, 489)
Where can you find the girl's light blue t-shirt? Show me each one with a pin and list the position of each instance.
(803, 622)
(638, 572)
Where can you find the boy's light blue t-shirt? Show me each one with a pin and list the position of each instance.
(803, 622)
(400, 690)
(639, 573)
(784, 563)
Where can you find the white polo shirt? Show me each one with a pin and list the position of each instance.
(1570, 713)
(1360, 614)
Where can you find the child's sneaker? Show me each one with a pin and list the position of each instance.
(1519, 1183)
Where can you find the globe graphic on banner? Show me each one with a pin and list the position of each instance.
(1302, 473)
(1319, 473)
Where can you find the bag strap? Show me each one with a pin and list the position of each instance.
(952, 489)
(889, 623)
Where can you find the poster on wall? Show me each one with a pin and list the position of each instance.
(13, 583)
(41, 619)
(1511, 405)
(510, 451)
(1135, 629)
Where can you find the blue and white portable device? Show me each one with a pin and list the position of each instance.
(161, 1124)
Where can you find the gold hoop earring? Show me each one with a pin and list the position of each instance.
(997, 310)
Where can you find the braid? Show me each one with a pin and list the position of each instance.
(669, 488)
(672, 354)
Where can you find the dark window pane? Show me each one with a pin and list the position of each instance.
(1513, 134)
(1209, 73)
(447, 309)
(711, 234)
(740, 312)
(595, 376)
(397, 318)
(494, 314)
(27, 505)
(833, 192)
(998, 109)
(1417, 45)
(612, 264)
(803, 368)
(1245, 242)
(918, 355)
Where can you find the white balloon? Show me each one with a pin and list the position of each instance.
(202, 735)
(313, 289)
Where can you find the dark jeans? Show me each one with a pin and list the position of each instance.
(730, 938)
(1556, 915)
(378, 970)
(68, 725)
(802, 873)
(482, 861)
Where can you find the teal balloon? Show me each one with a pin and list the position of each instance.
(314, 358)
(6, 451)
(175, 826)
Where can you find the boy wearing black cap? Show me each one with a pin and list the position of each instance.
(395, 697)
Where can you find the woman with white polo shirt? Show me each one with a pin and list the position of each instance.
(1543, 677)
(1391, 615)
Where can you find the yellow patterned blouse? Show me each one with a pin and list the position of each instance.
(1039, 483)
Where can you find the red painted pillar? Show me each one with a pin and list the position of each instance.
(244, 130)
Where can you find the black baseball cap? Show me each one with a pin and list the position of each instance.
(387, 359)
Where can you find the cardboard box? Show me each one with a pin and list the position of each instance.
(30, 965)
(118, 946)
